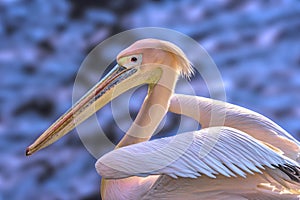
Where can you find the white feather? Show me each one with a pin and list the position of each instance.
(234, 153)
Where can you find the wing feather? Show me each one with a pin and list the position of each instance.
(229, 152)
(258, 126)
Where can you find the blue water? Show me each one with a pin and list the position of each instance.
(255, 45)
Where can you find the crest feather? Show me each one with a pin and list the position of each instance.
(183, 65)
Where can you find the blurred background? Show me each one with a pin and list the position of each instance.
(255, 45)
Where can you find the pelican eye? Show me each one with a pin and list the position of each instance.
(133, 59)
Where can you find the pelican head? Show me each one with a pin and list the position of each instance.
(147, 61)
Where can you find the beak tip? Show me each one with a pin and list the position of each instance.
(28, 153)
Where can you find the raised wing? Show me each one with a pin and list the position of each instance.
(211, 152)
(209, 112)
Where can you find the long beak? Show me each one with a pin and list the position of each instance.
(102, 93)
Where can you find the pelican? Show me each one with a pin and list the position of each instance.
(247, 156)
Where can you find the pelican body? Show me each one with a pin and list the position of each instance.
(241, 156)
